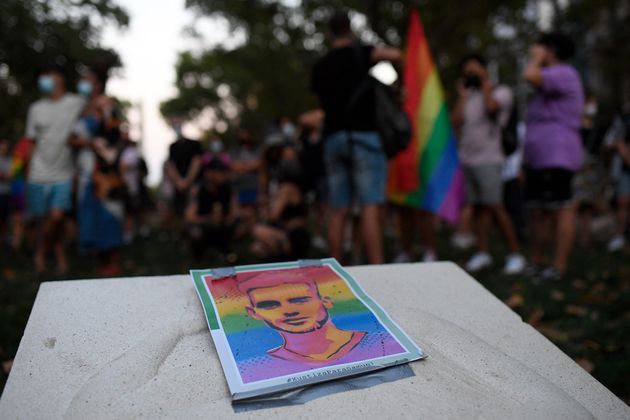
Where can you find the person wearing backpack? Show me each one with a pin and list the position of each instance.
(481, 113)
(354, 155)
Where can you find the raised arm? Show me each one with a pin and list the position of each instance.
(533, 71)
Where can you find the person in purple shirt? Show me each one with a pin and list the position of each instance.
(553, 149)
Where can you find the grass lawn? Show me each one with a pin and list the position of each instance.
(586, 315)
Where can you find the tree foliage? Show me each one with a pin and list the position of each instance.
(267, 75)
(34, 33)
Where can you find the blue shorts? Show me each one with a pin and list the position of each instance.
(248, 197)
(42, 198)
(359, 173)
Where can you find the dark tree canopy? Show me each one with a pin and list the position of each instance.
(267, 75)
(34, 33)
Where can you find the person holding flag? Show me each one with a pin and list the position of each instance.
(427, 175)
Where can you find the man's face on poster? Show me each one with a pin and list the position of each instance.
(290, 307)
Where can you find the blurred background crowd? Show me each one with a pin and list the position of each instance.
(273, 152)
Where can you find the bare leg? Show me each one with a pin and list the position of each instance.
(465, 220)
(18, 230)
(565, 234)
(54, 238)
(427, 230)
(506, 227)
(335, 232)
(406, 222)
(372, 233)
(482, 217)
(539, 221)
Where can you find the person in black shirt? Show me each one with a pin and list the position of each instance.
(182, 167)
(356, 165)
(210, 212)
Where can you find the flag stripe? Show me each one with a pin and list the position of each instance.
(427, 174)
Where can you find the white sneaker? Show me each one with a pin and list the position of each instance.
(514, 264)
(616, 243)
(429, 256)
(402, 258)
(479, 261)
(463, 241)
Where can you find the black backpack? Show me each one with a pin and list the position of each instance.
(392, 122)
(509, 133)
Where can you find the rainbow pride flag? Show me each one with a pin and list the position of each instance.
(427, 175)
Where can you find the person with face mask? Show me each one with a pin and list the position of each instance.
(100, 187)
(481, 112)
(183, 166)
(553, 150)
(49, 191)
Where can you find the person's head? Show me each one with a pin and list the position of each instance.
(52, 80)
(339, 25)
(473, 69)
(244, 137)
(215, 172)
(286, 302)
(93, 82)
(215, 146)
(558, 46)
(4, 147)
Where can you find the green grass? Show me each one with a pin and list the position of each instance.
(586, 315)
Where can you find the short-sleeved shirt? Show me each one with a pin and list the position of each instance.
(182, 152)
(49, 124)
(480, 139)
(553, 121)
(335, 79)
(130, 158)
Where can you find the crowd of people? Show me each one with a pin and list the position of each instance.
(321, 182)
(74, 175)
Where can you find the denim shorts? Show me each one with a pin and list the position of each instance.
(42, 198)
(357, 173)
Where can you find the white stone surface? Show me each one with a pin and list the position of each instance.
(139, 347)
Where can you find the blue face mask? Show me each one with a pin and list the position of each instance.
(46, 84)
(84, 87)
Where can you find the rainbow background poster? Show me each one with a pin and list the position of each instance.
(287, 325)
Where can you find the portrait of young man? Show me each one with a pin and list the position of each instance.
(293, 306)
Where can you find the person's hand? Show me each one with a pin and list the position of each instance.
(181, 185)
(537, 53)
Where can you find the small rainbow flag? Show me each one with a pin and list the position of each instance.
(427, 174)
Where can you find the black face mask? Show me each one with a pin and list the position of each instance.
(472, 81)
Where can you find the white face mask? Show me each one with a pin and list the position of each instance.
(84, 87)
